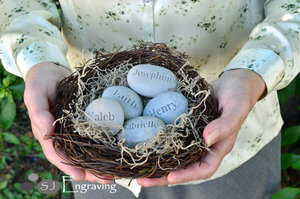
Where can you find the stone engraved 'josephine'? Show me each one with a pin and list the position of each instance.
(151, 80)
(128, 99)
(107, 112)
(154, 75)
(167, 106)
(140, 129)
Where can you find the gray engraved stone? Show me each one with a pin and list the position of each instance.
(151, 80)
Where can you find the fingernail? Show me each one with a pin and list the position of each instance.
(73, 177)
(212, 138)
(44, 132)
(104, 182)
(46, 135)
(76, 178)
(177, 180)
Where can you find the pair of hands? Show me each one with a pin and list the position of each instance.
(237, 92)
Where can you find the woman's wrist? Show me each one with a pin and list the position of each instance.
(252, 79)
(49, 69)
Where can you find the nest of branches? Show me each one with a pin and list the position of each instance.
(173, 147)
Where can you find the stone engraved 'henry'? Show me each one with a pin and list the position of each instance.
(167, 106)
(140, 129)
(163, 109)
(151, 80)
(107, 112)
(128, 99)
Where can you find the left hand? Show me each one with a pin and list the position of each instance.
(237, 92)
(40, 91)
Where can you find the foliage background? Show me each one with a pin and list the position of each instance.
(21, 154)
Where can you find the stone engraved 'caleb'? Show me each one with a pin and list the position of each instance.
(102, 117)
(105, 112)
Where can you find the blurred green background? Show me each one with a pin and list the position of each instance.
(21, 155)
(20, 152)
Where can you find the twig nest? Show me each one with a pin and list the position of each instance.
(93, 102)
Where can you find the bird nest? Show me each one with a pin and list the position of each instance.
(89, 147)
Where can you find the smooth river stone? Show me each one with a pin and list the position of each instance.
(107, 112)
(140, 129)
(151, 80)
(167, 106)
(129, 100)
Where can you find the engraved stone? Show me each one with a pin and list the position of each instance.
(127, 98)
(140, 129)
(151, 80)
(167, 106)
(105, 112)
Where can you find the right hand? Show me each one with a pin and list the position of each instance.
(40, 90)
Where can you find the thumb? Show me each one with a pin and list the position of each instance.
(36, 100)
(227, 124)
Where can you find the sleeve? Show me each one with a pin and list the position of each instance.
(273, 48)
(29, 34)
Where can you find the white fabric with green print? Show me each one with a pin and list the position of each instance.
(218, 35)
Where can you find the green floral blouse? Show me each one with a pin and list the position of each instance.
(218, 35)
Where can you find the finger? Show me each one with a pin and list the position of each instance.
(37, 104)
(37, 133)
(229, 123)
(100, 179)
(149, 182)
(208, 166)
(75, 173)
